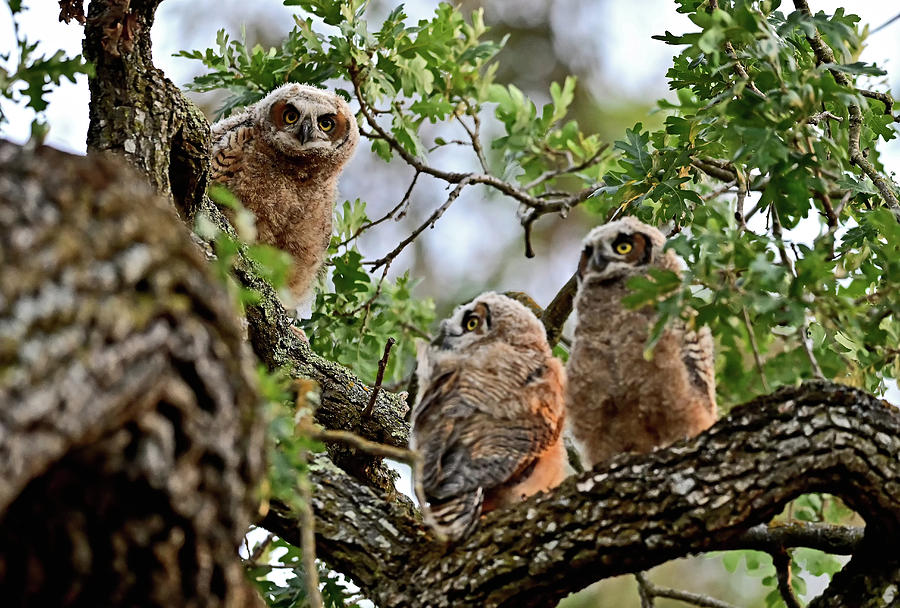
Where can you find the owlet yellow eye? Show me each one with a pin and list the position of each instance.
(623, 248)
(326, 123)
(472, 323)
(290, 116)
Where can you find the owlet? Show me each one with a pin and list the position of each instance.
(282, 157)
(618, 400)
(489, 417)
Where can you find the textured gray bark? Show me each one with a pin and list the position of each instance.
(136, 111)
(696, 496)
(130, 437)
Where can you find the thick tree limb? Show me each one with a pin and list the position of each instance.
(130, 433)
(136, 111)
(705, 494)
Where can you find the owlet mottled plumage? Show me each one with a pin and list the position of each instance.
(618, 401)
(489, 417)
(282, 157)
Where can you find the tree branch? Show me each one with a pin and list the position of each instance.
(838, 540)
(709, 493)
(651, 591)
(738, 66)
(535, 205)
(825, 55)
(782, 562)
(558, 310)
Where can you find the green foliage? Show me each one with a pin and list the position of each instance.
(28, 75)
(827, 282)
(352, 322)
(792, 253)
(287, 588)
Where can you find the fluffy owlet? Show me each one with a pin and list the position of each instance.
(618, 401)
(282, 157)
(489, 418)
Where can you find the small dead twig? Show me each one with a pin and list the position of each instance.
(434, 217)
(390, 215)
(755, 347)
(651, 591)
(782, 561)
(379, 378)
(474, 136)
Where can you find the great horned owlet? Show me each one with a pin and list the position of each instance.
(489, 417)
(618, 400)
(282, 157)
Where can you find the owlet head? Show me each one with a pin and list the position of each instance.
(299, 120)
(489, 318)
(619, 249)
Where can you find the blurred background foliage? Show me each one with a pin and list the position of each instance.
(792, 254)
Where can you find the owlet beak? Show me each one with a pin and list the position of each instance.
(305, 130)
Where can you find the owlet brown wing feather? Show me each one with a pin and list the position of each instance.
(488, 421)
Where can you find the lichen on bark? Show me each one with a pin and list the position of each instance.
(131, 438)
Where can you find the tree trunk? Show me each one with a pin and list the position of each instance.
(130, 437)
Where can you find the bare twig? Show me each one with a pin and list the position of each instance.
(756, 356)
(782, 561)
(789, 264)
(379, 378)
(824, 54)
(400, 207)
(885, 24)
(387, 259)
(645, 587)
(884, 98)
(820, 116)
(571, 168)
(475, 137)
(644, 590)
(364, 445)
(738, 66)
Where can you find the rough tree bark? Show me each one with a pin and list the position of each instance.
(709, 493)
(130, 439)
(640, 511)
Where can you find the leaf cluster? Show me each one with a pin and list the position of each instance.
(28, 75)
(788, 245)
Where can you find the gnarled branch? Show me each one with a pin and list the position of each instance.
(709, 493)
